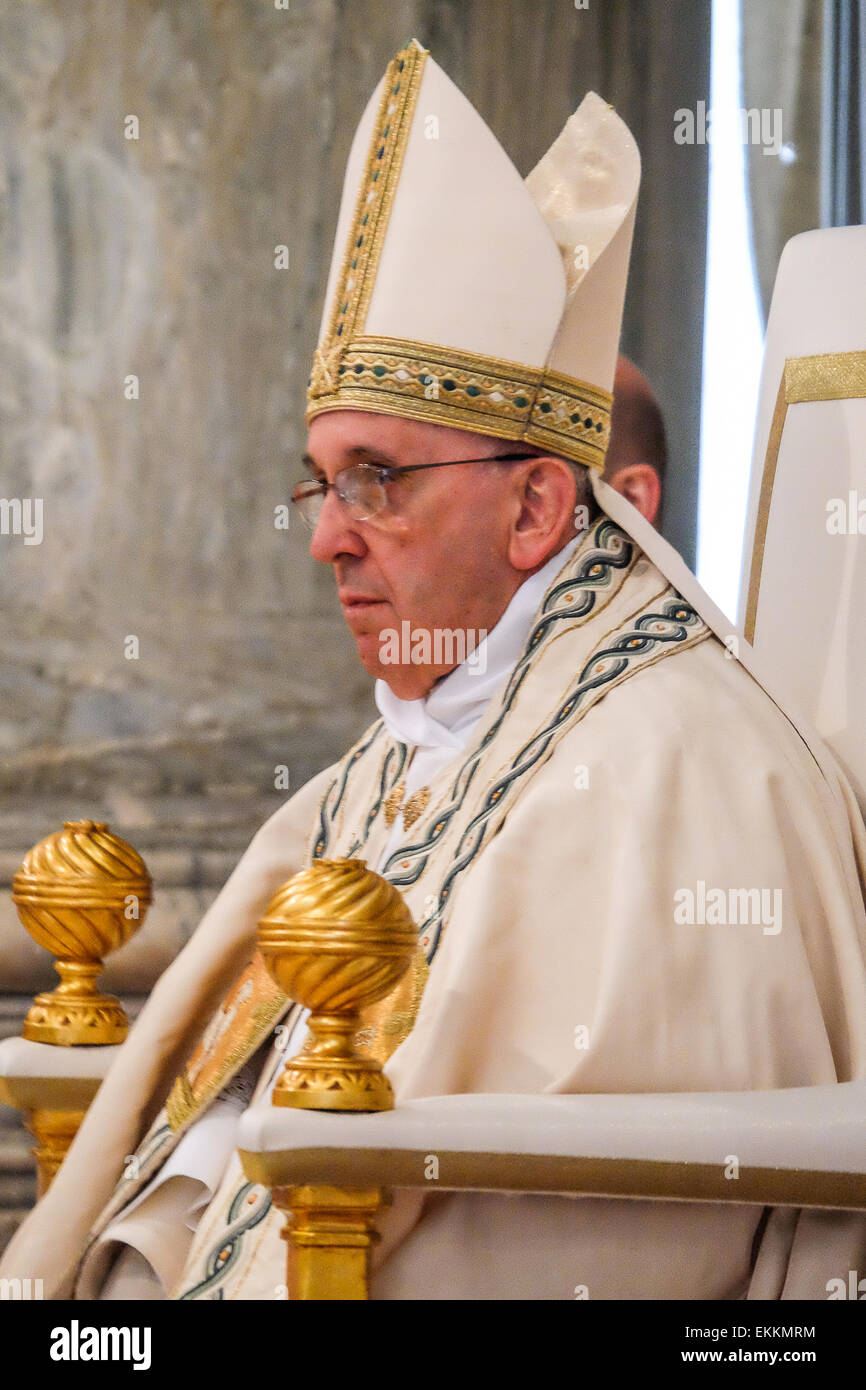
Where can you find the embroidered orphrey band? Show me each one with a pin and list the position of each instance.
(487, 395)
(378, 186)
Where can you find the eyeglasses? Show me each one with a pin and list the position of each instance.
(362, 487)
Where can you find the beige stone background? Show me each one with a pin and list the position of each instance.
(154, 257)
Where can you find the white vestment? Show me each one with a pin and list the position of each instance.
(632, 762)
(437, 728)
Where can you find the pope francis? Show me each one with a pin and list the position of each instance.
(631, 871)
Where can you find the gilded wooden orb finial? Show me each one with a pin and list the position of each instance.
(81, 893)
(336, 938)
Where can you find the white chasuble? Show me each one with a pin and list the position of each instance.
(626, 770)
(544, 874)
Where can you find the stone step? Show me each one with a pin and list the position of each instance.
(18, 1191)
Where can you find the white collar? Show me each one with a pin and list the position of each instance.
(446, 717)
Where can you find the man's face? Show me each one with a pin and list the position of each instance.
(436, 557)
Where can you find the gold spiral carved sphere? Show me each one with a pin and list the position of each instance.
(336, 938)
(81, 893)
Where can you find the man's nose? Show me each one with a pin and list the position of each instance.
(335, 532)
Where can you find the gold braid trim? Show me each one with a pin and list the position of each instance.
(387, 1023)
(376, 193)
(487, 395)
(828, 376)
(234, 1032)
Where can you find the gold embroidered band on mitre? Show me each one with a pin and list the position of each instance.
(487, 395)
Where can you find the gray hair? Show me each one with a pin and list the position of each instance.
(583, 494)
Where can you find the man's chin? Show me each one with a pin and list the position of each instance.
(407, 682)
(369, 645)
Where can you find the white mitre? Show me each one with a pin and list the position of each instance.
(462, 295)
(804, 577)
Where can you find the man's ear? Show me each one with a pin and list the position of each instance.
(545, 492)
(639, 484)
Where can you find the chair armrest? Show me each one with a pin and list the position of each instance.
(41, 1075)
(803, 1146)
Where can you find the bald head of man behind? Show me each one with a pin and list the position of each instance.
(637, 453)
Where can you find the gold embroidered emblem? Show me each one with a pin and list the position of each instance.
(387, 1023)
(239, 1025)
(326, 364)
(414, 807)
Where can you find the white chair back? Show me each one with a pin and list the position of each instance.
(803, 594)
